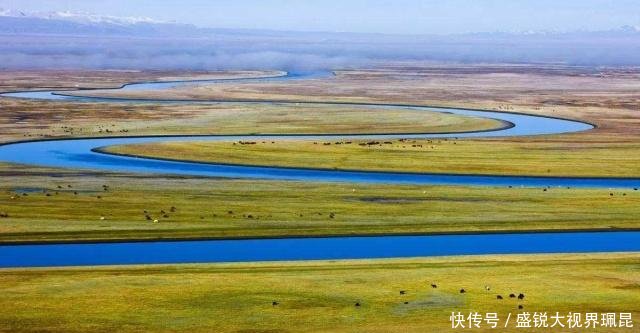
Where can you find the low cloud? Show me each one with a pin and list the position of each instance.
(309, 52)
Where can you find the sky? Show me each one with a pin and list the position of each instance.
(376, 16)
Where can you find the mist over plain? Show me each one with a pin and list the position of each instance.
(309, 51)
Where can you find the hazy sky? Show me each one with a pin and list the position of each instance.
(399, 16)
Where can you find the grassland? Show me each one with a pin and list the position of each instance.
(273, 208)
(26, 119)
(504, 157)
(45, 205)
(18, 80)
(317, 296)
(74, 205)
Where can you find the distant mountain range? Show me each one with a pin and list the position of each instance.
(81, 40)
(19, 22)
(79, 17)
(78, 23)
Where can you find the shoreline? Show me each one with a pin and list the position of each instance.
(323, 236)
(101, 150)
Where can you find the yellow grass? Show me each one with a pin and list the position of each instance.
(52, 211)
(502, 157)
(317, 296)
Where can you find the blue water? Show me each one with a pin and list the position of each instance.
(79, 154)
(313, 248)
(68, 95)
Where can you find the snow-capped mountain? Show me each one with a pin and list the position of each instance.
(66, 22)
(80, 17)
(82, 23)
(89, 18)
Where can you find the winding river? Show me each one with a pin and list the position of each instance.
(82, 154)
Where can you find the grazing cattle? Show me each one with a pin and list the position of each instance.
(462, 291)
(173, 209)
(487, 288)
(499, 297)
(357, 304)
(520, 307)
(274, 303)
(433, 285)
(4, 214)
(402, 292)
(512, 295)
(406, 302)
(521, 296)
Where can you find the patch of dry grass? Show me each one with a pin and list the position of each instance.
(316, 296)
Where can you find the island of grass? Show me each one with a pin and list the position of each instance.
(49, 205)
(400, 295)
(82, 119)
(534, 157)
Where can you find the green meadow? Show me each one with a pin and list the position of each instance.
(504, 157)
(393, 295)
(50, 205)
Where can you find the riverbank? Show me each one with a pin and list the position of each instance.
(505, 157)
(50, 205)
(33, 119)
